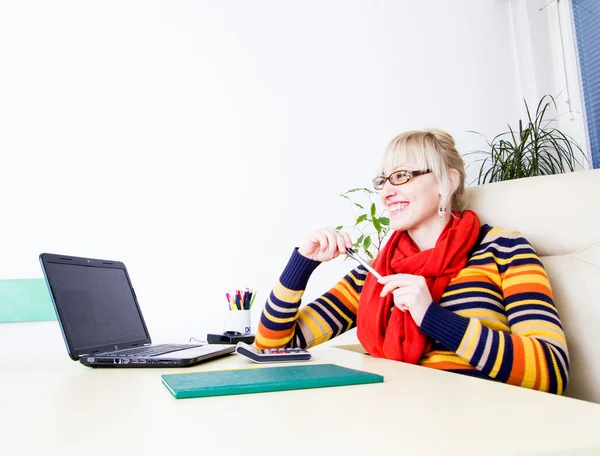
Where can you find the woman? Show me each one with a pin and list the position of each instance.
(456, 295)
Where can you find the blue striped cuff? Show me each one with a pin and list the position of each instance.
(444, 326)
(297, 272)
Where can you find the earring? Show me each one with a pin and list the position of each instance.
(441, 211)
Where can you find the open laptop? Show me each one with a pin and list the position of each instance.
(101, 320)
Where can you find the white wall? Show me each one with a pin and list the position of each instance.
(199, 142)
(546, 56)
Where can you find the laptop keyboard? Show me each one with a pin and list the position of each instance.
(151, 350)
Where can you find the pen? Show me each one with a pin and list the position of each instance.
(247, 299)
(252, 299)
(352, 254)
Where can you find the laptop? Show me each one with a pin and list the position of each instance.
(101, 320)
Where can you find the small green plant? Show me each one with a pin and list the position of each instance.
(369, 222)
(536, 149)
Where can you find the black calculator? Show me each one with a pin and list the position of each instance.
(273, 355)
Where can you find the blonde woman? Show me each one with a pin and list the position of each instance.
(455, 295)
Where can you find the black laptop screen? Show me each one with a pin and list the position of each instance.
(96, 304)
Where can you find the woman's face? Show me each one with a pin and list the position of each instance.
(412, 205)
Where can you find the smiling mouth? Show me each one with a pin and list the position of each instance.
(396, 208)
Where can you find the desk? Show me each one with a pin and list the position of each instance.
(54, 406)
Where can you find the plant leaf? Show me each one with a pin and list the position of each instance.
(361, 219)
(376, 224)
(359, 189)
(534, 148)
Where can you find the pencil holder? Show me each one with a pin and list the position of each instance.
(238, 320)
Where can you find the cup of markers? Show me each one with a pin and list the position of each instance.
(238, 318)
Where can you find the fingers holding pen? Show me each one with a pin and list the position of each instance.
(393, 282)
(332, 244)
(343, 241)
(326, 244)
(338, 242)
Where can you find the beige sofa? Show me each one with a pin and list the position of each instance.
(560, 216)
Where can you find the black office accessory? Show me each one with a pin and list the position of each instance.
(274, 355)
(101, 320)
(230, 337)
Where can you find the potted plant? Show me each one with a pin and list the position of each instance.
(370, 222)
(536, 148)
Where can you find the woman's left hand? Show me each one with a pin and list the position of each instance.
(410, 293)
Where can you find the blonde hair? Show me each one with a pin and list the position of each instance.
(432, 149)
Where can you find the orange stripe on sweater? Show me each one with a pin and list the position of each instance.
(447, 365)
(342, 299)
(463, 280)
(518, 368)
(351, 292)
(545, 374)
(271, 334)
(531, 287)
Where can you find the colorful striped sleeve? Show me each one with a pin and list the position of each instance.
(534, 353)
(284, 323)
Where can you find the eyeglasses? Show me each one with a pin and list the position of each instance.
(402, 176)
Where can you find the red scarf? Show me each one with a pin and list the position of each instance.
(395, 335)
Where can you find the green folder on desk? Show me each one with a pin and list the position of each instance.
(264, 379)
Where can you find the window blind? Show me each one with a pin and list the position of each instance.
(586, 15)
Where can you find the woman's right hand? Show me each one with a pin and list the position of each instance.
(325, 244)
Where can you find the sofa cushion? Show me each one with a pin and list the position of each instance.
(560, 216)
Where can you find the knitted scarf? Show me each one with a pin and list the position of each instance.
(388, 332)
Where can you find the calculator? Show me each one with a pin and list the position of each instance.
(272, 355)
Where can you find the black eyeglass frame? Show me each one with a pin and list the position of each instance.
(379, 181)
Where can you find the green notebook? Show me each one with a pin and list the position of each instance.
(264, 379)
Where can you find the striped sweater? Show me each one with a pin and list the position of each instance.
(495, 320)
